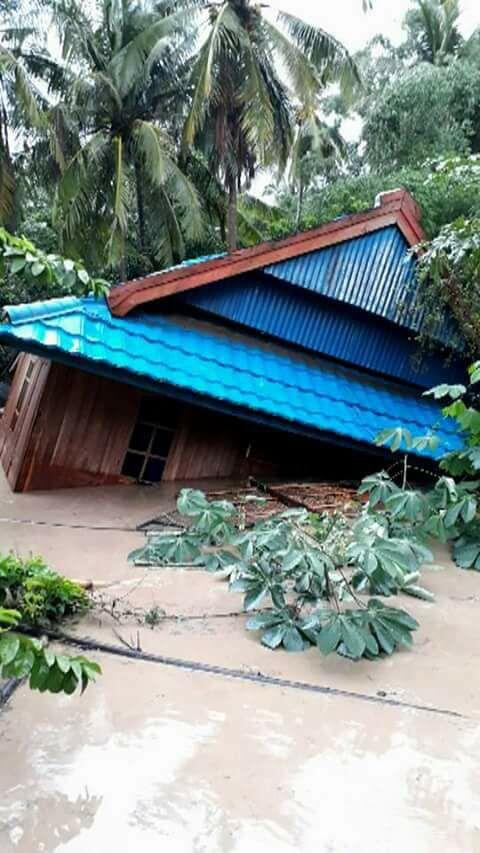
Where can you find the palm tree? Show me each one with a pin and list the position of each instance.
(254, 65)
(316, 144)
(433, 29)
(126, 62)
(20, 105)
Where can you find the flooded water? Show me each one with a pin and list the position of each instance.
(154, 759)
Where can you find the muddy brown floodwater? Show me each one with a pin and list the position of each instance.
(162, 758)
(155, 759)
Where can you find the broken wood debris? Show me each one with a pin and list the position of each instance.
(314, 497)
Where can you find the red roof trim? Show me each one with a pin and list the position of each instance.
(393, 208)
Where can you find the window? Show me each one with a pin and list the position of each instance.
(27, 379)
(151, 440)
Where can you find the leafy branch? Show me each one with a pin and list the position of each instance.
(53, 275)
(32, 596)
(304, 569)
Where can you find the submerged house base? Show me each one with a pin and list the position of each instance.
(65, 427)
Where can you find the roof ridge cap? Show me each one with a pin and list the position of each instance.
(43, 308)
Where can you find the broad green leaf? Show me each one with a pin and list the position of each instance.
(352, 637)
(254, 597)
(63, 663)
(17, 265)
(274, 636)
(418, 592)
(262, 620)
(293, 640)
(329, 637)
(9, 647)
(452, 391)
(394, 439)
(384, 637)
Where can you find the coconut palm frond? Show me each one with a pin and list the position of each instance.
(256, 218)
(104, 82)
(128, 63)
(226, 34)
(77, 36)
(26, 95)
(434, 26)
(328, 56)
(169, 245)
(302, 74)
(150, 143)
(187, 202)
(257, 120)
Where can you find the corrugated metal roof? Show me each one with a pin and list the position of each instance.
(323, 326)
(396, 208)
(218, 365)
(374, 272)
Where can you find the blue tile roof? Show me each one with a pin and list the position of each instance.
(196, 357)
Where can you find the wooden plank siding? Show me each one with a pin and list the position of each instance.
(17, 423)
(74, 429)
(205, 445)
(81, 431)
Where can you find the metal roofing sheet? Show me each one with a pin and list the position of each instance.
(199, 357)
(323, 326)
(374, 272)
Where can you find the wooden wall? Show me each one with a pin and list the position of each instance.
(206, 444)
(18, 418)
(73, 428)
(81, 432)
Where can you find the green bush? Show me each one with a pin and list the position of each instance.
(42, 596)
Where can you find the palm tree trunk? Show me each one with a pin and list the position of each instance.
(298, 218)
(232, 220)
(122, 267)
(142, 230)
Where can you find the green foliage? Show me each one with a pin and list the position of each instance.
(295, 561)
(365, 633)
(302, 569)
(432, 30)
(26, 657)
(442, 194)
(448, 511)
(427, 112)
(241, 110)
(449, 272)
(43, 597)
(29, 273)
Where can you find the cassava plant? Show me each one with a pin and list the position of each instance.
(304, 571)
(317, 579)
(449, 511)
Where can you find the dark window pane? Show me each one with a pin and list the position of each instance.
(153, 470)
(132, 465)
(162, 442)
(141, 437)
(158, 410)
(29, 368)
(21, 396)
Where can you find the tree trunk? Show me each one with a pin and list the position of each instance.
(142, 231)
(298, 217)
(232, 223)
(122, 267)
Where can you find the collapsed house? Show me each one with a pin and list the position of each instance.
(285, 359)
